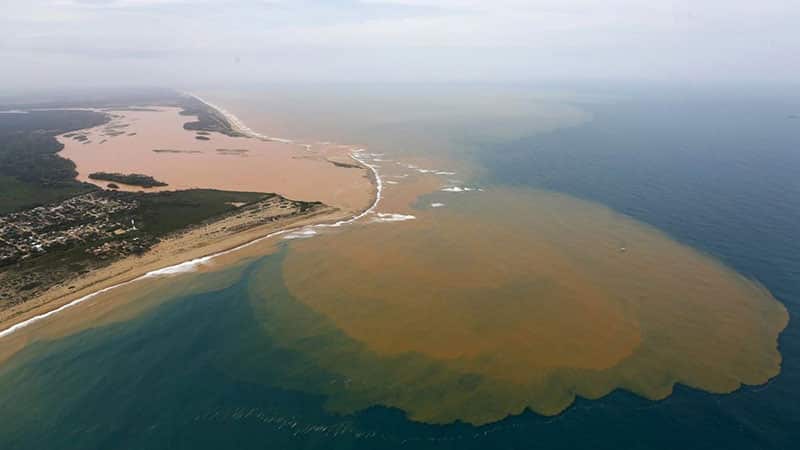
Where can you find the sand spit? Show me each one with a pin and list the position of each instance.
(201, 245)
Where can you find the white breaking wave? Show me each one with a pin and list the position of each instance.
(437, 205)
(189, 266)
(301, 234)
(442, 172)
(391, 217)
(32, 320)
(239, 125)
(391, 182)
(378, 195)
(355, 154)
(461, 189)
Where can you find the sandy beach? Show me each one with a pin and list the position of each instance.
(212, 239)
(330, 173)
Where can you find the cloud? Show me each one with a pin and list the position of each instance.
(416, 40)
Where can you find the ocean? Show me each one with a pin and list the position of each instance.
(607, 242)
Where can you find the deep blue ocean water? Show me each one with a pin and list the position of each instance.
(719, 172)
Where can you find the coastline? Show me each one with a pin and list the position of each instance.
(184, 252)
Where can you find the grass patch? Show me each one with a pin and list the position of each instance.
(164, 212)
(16, 195)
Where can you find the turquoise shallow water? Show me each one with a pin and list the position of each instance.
(715, 171)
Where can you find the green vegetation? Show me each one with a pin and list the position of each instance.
(80, 227)
(31, 172)
(133, 179)
(162, 213)
(16, 195)
(207, 119)
(113, 236)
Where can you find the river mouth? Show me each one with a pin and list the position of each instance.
(535, 304)
(454, 311)
(154, 143)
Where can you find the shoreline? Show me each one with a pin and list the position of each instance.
(124, 272)
(240, 127)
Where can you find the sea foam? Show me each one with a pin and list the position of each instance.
(301, 234)
(192, 265)
(392, 217)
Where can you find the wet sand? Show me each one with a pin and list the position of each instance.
(499, 300)
(192, 245)
(127, 144)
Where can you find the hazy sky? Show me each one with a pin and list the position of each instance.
(56, 42)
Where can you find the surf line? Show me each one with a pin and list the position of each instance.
(188, 266)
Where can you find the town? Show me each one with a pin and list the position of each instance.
(97, 221)
(50, 245)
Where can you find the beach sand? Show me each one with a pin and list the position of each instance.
(196, 243)
(321, 172)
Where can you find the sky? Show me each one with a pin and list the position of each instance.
(186, 43)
